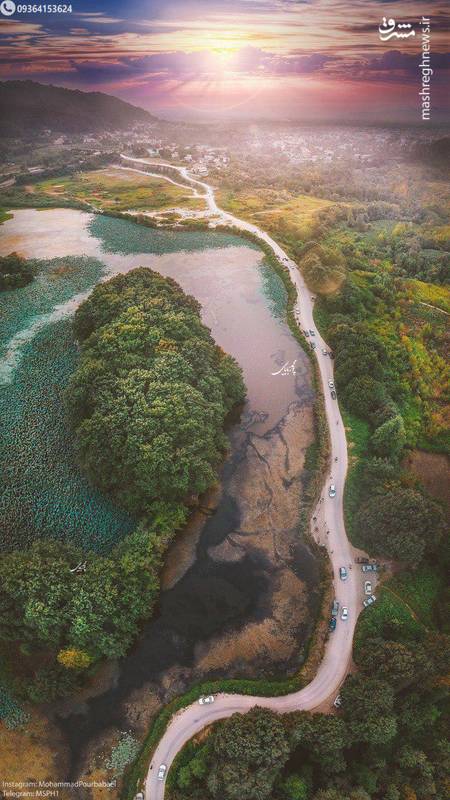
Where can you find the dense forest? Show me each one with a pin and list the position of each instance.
(151, 392)
(15, 272)
(148, 399)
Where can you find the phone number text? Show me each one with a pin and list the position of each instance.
(44, 9)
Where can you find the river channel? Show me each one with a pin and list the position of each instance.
(239, 587)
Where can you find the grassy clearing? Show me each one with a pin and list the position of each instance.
(277, 211)
(388, 618)
(119, 190)
(431, 293)
(420, 590)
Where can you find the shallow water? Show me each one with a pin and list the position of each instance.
(248, 550)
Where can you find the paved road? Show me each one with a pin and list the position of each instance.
(329, 513)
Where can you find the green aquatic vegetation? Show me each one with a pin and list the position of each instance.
(123, 754)
(44, 493)
(11, 712)
(119, 236)
(57, 281)
(274, 291)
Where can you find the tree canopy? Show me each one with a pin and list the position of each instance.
(151, 392)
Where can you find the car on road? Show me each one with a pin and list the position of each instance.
(313, 333)
(331, 384)
(370, 567)
(344, 612)
(331, 354)
(313, 345)
(338, 701)
(332, 624)
(325, 352)
(162, 772)
(367, 587)
(306, 333)
(205, 700)
(335, 608)
(369, 601)
(343, 574)
(333, 394)
(332, 490)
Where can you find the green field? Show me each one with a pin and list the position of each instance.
(118, 190)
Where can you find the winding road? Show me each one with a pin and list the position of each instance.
(329, 518)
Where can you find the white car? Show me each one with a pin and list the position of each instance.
(344, 612)
(332, 490)
(331, 384)
(338, 701)
(162, 772)
(312, 333)
(324, 352)
(205, 700)
(367, 587)
(369, 600)
(343, 574)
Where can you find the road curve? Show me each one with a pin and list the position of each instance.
(331, 531)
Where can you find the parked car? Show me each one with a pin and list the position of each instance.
(338, 701)
(344, 612)
(332, 490)
(205, 700)
(332, 624)
(367, 587)
(343, 574)
(369, 600)
(331, 384)
(162, 772)
(335, 608)
(313, 333)
(306, 333)
(313, 345)
(325, 352)
(333, 394)
(370, 567)
(139, 796)
(331, 354)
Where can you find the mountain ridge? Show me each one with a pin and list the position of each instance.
(27, 105)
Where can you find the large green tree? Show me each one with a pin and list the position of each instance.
(249, 752)
(404, 526)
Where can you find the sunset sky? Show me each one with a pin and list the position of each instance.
(288, 59)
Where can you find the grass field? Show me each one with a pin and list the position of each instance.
(276, 211)
(120, 190)
(388, 618)
(419, 590)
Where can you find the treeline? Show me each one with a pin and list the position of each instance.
(407, 525)
(63, 610)
(148, 399)
(15, 272)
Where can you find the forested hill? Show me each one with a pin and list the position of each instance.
(26, 105)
